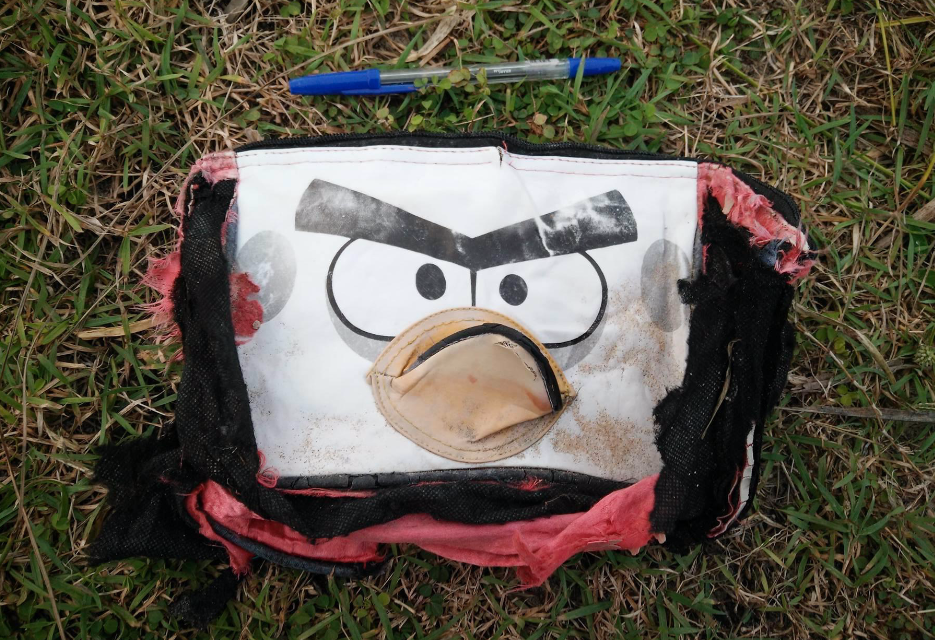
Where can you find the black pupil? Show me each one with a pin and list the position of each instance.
(430, 281)
(513, 289)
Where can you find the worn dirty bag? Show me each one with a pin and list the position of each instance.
(504, 353)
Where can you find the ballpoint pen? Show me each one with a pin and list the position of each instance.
(372, 82)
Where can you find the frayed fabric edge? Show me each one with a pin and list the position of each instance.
(536, 548)
(755, 213)
(163, 273)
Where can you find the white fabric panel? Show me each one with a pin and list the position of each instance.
(312, 407)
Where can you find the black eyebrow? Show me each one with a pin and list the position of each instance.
(339, 211)
(601, 221)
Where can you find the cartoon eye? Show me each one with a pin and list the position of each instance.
(378, 290)
(560, 299)
(430, 281)
(513, 289)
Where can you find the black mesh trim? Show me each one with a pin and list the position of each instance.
(739, 327)
(781, 202)
(200, 607)
(512, 475)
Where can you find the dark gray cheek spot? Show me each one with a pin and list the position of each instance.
(569, 357)
(230, 236)
(269, 259)
(663, 265)
(366, 348)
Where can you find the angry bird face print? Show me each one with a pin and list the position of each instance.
(432, 309)
(422, 267)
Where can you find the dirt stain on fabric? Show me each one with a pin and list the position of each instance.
(642, 356)
(650, 353)
(606, 442)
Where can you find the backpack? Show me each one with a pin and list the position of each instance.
(502, 352)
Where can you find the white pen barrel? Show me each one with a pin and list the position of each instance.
(405, 76)
(516, 71)
(505, 72)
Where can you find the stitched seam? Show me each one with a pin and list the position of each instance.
(612, 175)
(637, 163)
(455, 164)
(399, 348)
(284, 164)
(520, 157)
(375, 147)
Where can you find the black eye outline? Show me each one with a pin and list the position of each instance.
(334, 303)
(513, 289)
(600, 314)
(329, 287)
(549, 345)
(430, 281)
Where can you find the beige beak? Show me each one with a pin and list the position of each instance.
(470, 385)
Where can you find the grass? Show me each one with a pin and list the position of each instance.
(105, 106)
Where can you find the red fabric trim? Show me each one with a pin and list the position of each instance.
(214, 167)
(266, 476)
(246, 313)
(531, 484)
(745, 208)
(330, 493)
(161, 276)
(239, 558)
(163, 272)
(535, 547)
(733, 507)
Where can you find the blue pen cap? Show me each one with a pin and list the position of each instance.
(322, 84)
(593, 66)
